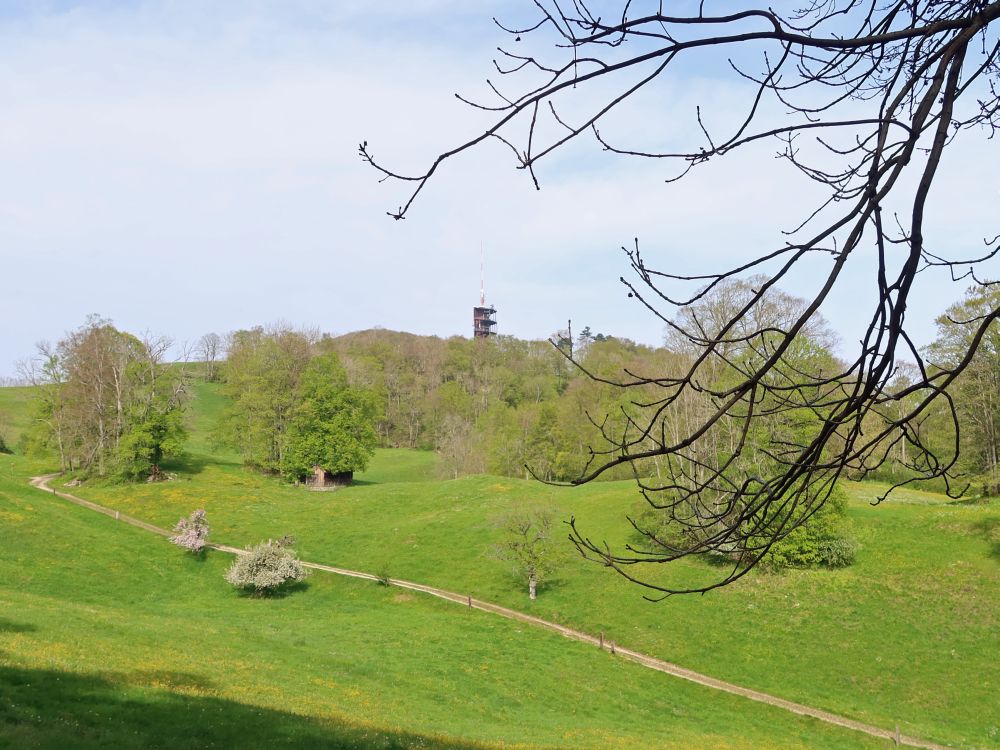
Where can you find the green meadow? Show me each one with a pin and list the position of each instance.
(110, 637)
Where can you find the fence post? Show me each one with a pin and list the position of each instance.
(612, 648)
(116, 515)
(470, 601)
(897, 737)
(601, 646)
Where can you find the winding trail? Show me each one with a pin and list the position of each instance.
(42, 483)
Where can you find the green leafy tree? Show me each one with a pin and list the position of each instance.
(507, 430)
(261, 376)
(805, 524)
(332, 425)
(210, 350)
(108, 403)
(404, 370)
(976, 393)
(155, 424)
(528, 545)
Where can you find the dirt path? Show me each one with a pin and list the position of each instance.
(659, 665)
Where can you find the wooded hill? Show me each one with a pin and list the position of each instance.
(499, 405)
(511, 407)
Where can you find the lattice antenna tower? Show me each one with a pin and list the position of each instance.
(483, 317)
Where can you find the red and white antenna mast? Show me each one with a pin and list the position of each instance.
(483, 318)
(482, 276)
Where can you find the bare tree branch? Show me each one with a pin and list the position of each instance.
(755, 429)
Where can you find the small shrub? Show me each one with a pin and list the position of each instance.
(669, 534)
(3, 446)
(265, 568)
(822, 541)
(192, 532)
(838, 553)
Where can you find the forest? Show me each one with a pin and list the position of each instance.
(520, 408)
(110, 405)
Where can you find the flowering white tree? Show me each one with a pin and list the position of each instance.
(192, 532)
(266, 567)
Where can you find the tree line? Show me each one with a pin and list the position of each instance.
(110, 405)
(107, 402)
(516, 408)
(293, 410)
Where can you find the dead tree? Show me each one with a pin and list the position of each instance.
(862, 98)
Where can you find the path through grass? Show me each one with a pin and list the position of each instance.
(908, 635)
(110, 637)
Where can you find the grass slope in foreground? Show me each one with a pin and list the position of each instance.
(111, 638)
(908, 635)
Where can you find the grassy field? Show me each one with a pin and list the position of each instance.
(907, 636)
(111, 638)
(15, 413)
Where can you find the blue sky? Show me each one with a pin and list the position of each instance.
(184, 167)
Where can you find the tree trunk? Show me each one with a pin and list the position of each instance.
(532, 584)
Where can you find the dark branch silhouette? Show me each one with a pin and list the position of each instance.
(750, 436)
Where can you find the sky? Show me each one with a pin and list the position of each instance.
(183, 167)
